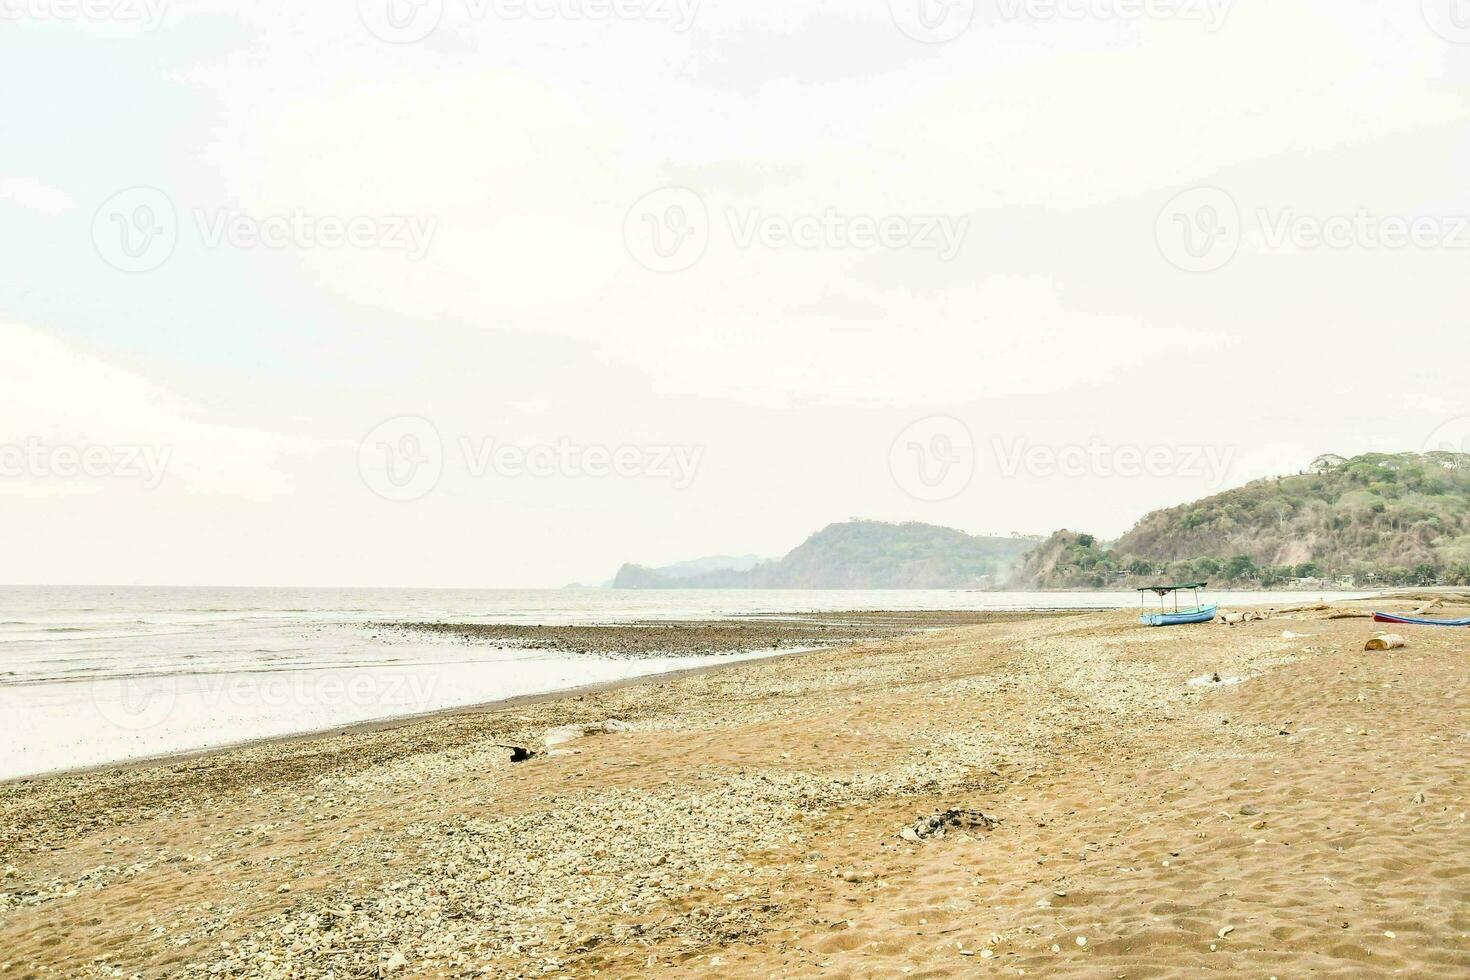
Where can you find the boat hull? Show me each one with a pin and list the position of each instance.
(1379, 617)
(1184, 618)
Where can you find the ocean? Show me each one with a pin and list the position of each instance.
(94, 675)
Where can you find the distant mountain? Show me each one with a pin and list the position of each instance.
(673, 576)
(855, 555)
(1376, 519)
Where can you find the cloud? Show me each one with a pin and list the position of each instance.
(61, 398)
(35, 195)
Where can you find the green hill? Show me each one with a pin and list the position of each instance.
(860, 555)
(1376, 519)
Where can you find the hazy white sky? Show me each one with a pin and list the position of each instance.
(478, 293)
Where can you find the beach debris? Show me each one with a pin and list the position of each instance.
(518, 753)
(1225, 931)
(1289, 635)
(1419, 797)
(1387, 641)
(1214, 680)
(938, 824)
(1310, 607)
(570, 733)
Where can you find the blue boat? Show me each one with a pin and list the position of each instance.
(1177, 616)
(1183, 617)
(1379, 617)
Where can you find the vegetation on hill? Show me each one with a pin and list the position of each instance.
(1373, 520)
(863, 555)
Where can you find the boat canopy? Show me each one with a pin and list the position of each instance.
(1163, 590)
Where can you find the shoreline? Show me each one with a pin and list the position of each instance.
(760, 819)
(738, 641)
(398, 721)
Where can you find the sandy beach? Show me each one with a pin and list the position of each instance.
(1102, 815)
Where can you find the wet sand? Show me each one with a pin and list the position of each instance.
(1310, 818)
(703, 637)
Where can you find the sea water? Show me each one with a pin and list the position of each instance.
(94, 676)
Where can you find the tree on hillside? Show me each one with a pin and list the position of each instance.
(1239, 567)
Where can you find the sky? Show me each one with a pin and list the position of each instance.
(504, 293)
